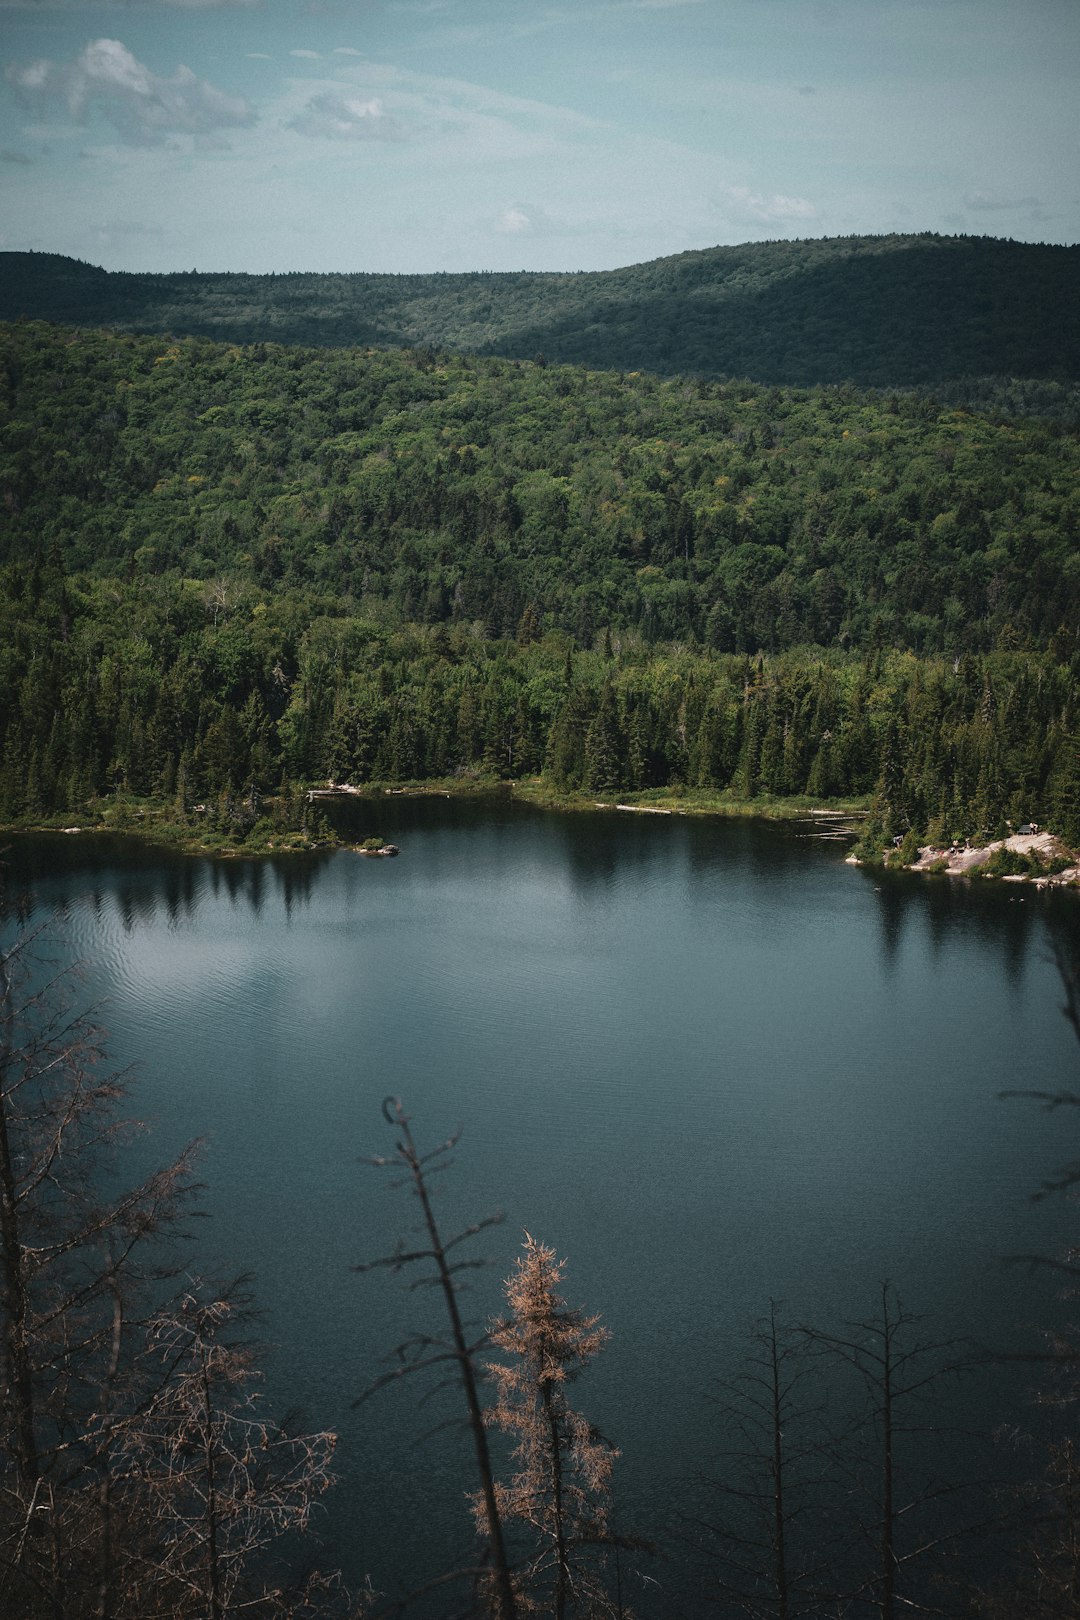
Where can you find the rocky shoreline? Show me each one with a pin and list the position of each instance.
(1050, 863)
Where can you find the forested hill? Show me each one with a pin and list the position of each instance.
(445, 488)
(947, 313)
(226, 572)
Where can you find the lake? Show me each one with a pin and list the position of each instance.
(706, 1060)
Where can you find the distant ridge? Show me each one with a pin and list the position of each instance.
(927, 312)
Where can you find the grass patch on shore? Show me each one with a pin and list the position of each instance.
(156, 821)
(690, 802)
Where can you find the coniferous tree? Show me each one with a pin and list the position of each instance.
(601, 766)
(561, 1485)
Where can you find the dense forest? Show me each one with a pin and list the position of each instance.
(987, 322)
(228, 571)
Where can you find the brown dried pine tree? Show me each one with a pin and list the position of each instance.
(561, 1488)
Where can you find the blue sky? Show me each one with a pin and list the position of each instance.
(419, 135)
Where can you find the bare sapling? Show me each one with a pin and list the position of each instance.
(457, 1350)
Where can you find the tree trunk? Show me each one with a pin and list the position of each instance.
(16, 1337)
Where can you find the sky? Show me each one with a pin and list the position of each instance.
(420, 135)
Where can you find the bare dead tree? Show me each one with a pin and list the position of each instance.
(424, 1351)
(113, 1397)
(211, 1484)
(906, 1519)
(765, 1544)
(72, 1264)
(1041, 1580)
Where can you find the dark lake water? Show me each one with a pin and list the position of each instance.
(706, 1060)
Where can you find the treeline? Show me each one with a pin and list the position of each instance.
(217, 696)
(884, 311)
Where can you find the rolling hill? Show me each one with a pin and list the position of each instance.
(980, 320)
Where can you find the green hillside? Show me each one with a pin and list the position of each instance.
(229, 571)
(960, 315)
(447, 487)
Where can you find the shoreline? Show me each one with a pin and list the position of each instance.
(1050, 863)
(1037, 858)
(147, 821)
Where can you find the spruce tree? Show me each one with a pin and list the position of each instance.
(561, 1486)
(602, 746)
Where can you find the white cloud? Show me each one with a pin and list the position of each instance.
(142, 107)
(513, 221)
(475, 120)
(535, 221)
(339, 115)
(452, 120)
(347, 50)
(741, 206)
(310, 56)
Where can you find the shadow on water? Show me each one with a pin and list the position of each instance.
(596, 844)
(179, 889)
(1008, 919)
(144, 882)
(593, 846)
